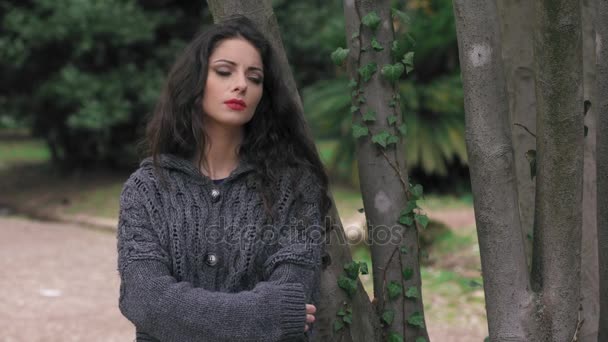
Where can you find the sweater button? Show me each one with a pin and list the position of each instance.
(211, 259)
(215, 195)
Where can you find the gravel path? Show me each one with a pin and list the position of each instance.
(58, 282)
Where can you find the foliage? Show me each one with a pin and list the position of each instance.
(431, 95)
(84, 73)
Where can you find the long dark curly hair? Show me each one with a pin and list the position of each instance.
(275, 137)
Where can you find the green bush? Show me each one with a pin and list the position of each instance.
(84, 73)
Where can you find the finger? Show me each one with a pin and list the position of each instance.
(310, 318)
(311, 309)
(306, 328)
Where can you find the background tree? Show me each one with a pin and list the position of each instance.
(388, 197)
(551, 291)
(517, 20)
(601, 21)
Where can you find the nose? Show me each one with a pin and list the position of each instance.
(240, 84)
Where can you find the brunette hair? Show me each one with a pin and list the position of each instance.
(277, 135)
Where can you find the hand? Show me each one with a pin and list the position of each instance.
(310, 310)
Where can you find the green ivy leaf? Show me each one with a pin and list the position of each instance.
(348, 319)
(361, 100)
(408, 60)
(348, 285)
(406, 220)
(531, 156)
(422, 219)
(391, 119)
(409, 207)
(403, 250)
(392, 103)
(371, 20)
(392, 139)
(388, 316)
(394, 289)
(392, 72)
(339, 55)
(376, 45)
(412, 292)
(353, 109)
(352, 84)
(381, 138)
(341, 313)
(417, 320)
(352, 270)
(394, 337)
(405, 19)
(338, 325)
(369, 116)
(407, 273)
(364, 269)
(359, 131)
(421, 339)
(367, 71)
(398, 48)
(416, 191)
(402, 129)
(354, 35)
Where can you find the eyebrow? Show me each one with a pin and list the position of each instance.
(233, 63)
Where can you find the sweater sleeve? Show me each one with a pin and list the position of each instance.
(155, 302)
(297, 260)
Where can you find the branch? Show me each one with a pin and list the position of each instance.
(526, 128)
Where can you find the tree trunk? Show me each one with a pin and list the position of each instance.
(602, 160)
(363, 327)
(556, 263)
(517, 18)
(509, 301)
(551, 294)
(589, 256)
(382, 172)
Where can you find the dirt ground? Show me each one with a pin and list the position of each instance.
(59, 283)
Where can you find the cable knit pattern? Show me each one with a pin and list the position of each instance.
(200, 261)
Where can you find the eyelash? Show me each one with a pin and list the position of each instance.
(227, 73)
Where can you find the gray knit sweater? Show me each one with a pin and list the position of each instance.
(203, 262)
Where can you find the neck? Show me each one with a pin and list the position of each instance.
(221, 156)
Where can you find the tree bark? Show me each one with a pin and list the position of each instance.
(589, 256)
(556, 263)
(602, 160)
(382, 171)
(364, 326)
(517, 19)
(509, 301)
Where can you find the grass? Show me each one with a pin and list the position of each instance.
(18, 151)
(28, 180)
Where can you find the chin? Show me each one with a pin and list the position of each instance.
(232, 119)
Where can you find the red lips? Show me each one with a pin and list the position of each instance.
(236, 104)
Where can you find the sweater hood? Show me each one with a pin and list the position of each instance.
(176, 163)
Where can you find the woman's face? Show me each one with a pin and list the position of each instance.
(234, 83)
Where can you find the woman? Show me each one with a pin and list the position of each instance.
(220, 234)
